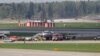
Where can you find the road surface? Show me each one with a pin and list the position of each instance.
(21, 52)
(38, 30)
(67, 41)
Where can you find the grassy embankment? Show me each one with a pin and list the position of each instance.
(55, 47)
(78, 25)
(57, 25)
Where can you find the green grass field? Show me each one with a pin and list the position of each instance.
(9, 26)
(78, 25)
(57, 25)
(55, 47)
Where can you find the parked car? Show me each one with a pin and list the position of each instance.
(28, 38)
(20, 38)
(13, 38)
(57, 36)
(48, 35)
(8, 40)
(39, 37)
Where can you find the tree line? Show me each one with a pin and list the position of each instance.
(43, 11)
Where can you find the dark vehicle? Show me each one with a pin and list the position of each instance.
(57, 36)
(48, 35)
(45, 35)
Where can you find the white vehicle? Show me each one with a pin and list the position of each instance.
(2, 36)
(28, 38)
(47, 32)
(8, 40)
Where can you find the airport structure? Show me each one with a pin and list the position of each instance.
(33, 23)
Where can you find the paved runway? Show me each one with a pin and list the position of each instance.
(20, 52)
(67, 41)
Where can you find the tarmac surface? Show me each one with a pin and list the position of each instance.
(67, 41)
(27, 52)
(59, 30)
(21, 52)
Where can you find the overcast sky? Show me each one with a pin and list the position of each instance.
(10, 1)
